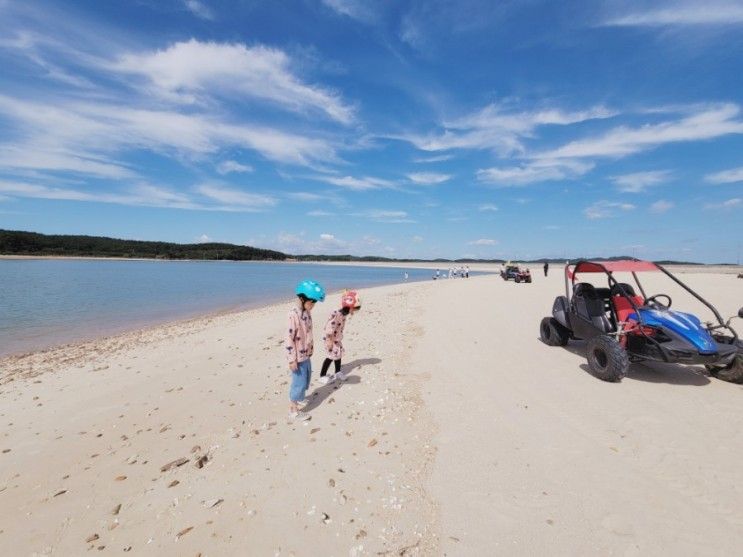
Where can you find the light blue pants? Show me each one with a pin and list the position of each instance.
(300, 381)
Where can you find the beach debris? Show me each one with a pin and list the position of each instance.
(372, 443)
(6, 451)
(331, 482)
(326, 518)
(116, 509)
(173, 483)
(195, 449)
(314, 430)
(201, 461)
(92, 538)
(60, 492)
(173, 464)
(183, 532)
(360, 534)
(211, 503)
(120, 478)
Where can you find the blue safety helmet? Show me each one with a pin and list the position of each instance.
(311, 290)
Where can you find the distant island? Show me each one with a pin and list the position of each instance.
(17, 242)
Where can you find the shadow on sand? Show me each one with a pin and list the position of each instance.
(651, 372)
(320, 394)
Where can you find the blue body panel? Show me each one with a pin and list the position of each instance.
(685, 325)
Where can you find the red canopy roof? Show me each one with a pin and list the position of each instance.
(626, 265)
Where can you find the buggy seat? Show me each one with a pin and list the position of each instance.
(622, 305)
(590, 305)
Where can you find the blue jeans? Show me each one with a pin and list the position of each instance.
(300, 381)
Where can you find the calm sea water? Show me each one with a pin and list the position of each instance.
(48, 302)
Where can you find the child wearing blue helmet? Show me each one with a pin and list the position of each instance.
(299, 346)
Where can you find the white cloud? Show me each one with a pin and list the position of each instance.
(236, 198)
(437, 158)
(728, 204)
(483, 242)
(661, 206)
(499, 130)
(203, 239)
(227, 167)
(381, 215)
(684, 14)
(199, 9)
(709, 123)
(428, 178)
(417, 239)
(192, 71)
(726, 176)
(79, 136)
(639, 181)
(137, 195)
(487, 207)
(357, 184)
(360, 10)
(534, 171)
(319, 214)
(605, 209)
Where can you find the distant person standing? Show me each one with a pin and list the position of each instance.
(406, 275)
(546, 268)
(466, 271)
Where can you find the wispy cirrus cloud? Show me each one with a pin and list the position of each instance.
(359, 10)
(238, 199)
(499, 129)
(428, 178)
(605, 209)
(708, 123)
(87, 136)
(684, 13)
(199, 9)
(487, 207)
(483, 242)
(193, 71)
(733, 203)
(662, 206)
(534, 171)
(637, 182)
(228, 167)
(357, 184)
(386, 216)
(730, 176)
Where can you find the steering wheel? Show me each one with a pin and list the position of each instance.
(653, 302)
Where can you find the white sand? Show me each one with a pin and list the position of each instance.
(457, 433)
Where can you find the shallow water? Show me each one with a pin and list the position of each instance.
(45, 302)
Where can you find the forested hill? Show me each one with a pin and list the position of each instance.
(14, 242)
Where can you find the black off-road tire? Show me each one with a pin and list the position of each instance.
(733, 372)
(606, 358)
(517, 279)
(553, 333)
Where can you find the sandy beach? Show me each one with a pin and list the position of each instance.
(457, 433)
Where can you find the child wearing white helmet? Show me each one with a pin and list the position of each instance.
(333, 336)
(299, 346)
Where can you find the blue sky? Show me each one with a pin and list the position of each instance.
(432, 128)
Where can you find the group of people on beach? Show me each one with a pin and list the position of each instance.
(299, 341)
(463, 271)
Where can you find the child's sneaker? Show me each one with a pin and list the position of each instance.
(340, 376)
(299, 416)
(324, 380)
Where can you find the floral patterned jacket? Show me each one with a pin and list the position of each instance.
(333, 335)
(298, 341)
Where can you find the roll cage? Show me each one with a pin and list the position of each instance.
(633, 266)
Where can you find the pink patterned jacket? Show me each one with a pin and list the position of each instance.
(333, 335)
(298, 341)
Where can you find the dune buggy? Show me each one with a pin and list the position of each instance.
(621, 326)
(516, 273)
